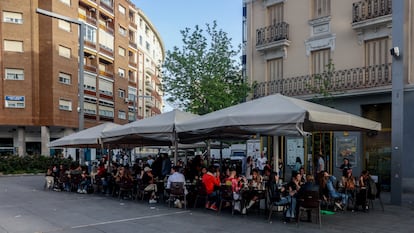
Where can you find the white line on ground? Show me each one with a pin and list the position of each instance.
(128, 219)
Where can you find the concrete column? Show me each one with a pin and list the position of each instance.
(21, 141)
(45, 139)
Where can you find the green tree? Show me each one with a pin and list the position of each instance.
(204, 75)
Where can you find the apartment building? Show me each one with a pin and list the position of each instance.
(39, 64)
(336, 53)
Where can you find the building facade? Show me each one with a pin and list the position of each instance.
(335, 53)
(123, 53)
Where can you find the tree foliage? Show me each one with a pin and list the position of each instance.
(204, 76)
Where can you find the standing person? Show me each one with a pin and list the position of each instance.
(261, 163)
(345, 167)
(166, 166)
(150, 160)
(298, 164)
(249, 167)
(321, 164)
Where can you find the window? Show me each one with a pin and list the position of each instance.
(275, 69)
(121, 93)
(147, 46)
(107, 2)
(121, 9)
(89, 108)
(121, 114)
(64, 52)
(90, 34)
(121, 51)
(106, 87)
(14, 101)
(106, 40)
(67, 2)
(122, 31)
(65, 105)
(275, 14)
(121, 72)
(89, 82)
(65, 78)
(321, 8)
(13, 46)
(14, 74)
(140, 40)
(320, 59)
(64, 25)
(12, 17)
(106, 111)
(377, 52)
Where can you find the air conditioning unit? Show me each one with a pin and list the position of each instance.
(109, 20)
(121, 74)
(126, 100)
(92, 9)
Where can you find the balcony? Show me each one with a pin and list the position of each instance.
(371, 12)
(148, 86)
(91, 20)
(106, 73)
(148, 103)
(90, 44)
(133, 44)
(340, 81)
(132, 63)
(273, 36)
(105, 50)
(107, 7)
(90, 68)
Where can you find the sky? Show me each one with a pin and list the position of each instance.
(169, 17)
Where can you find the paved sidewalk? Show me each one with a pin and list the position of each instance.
(25, 207)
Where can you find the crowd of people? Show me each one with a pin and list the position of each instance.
(156, 175)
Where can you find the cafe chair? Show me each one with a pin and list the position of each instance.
(310, 201)
(226, 196)
(273, 207)
(177, 191)
(201, 194)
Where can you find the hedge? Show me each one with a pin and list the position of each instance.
(13, 164)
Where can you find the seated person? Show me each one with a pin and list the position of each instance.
(252, 195)
(49, 179)
(341, 199)
(148, 180)
(292, 189)
(84, 183)
(237, 183)
(211, 180)
(176, 176)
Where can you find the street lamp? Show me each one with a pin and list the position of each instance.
(80, 64)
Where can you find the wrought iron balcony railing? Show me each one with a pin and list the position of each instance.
(336, 82)
(370, 9)
(272, 33)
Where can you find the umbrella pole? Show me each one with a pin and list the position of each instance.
(175, 148)
(221, 155)
(276, 154)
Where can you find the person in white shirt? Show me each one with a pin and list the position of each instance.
(176, 176)
(261, 163)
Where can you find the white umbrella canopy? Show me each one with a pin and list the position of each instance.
(272, 115)
(156, 130)
(87, 138)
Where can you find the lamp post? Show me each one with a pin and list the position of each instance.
(80, 64)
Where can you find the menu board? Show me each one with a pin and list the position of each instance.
(294, 148)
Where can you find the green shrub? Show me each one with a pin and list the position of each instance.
(13, 164)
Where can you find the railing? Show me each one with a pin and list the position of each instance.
(91, 20)
(273, 33)
(336, 82)
(106, 73)
(105, 50)
(133, 44)
(90, 68)
(369, 9)
(107, 7)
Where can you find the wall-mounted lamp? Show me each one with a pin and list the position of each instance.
(395, 52)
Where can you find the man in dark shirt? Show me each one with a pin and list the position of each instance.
(345, 166)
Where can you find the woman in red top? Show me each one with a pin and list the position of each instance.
(211, 180)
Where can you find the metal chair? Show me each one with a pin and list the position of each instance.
(226, 196)
(310, 201)
(177, 190)
(272, 206)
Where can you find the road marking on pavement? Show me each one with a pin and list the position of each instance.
(128, 219)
